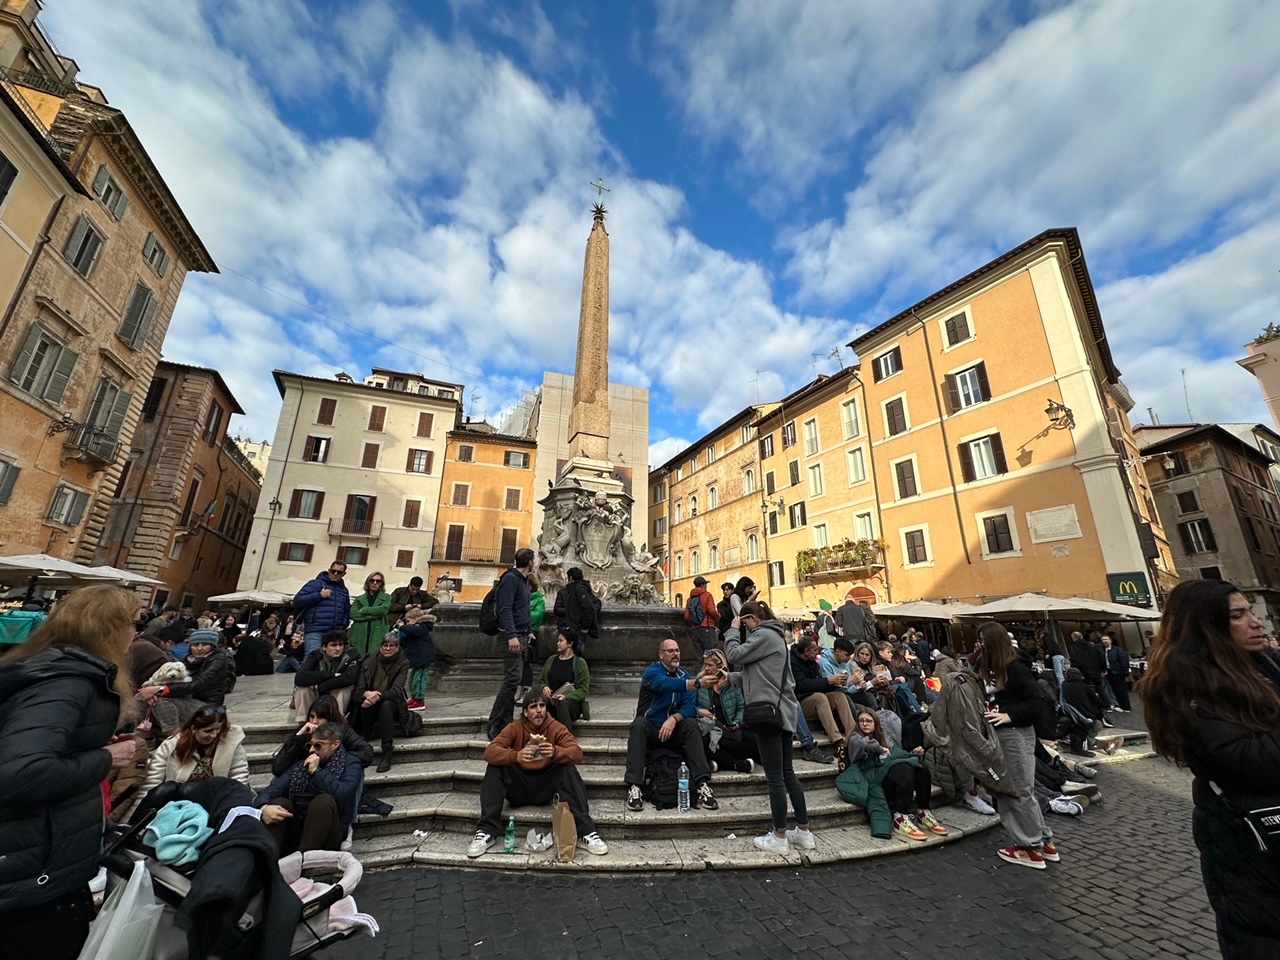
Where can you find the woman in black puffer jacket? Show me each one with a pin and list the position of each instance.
(1211, 697)
(60, 704)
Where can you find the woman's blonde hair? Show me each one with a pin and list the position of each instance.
(379, 575)
(98, 620)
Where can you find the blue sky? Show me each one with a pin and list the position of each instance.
(783, 176)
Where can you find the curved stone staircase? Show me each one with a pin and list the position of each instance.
(434, 788)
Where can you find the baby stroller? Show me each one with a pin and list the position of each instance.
(248, 909)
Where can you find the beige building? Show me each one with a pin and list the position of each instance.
(485, 510)
(91, 271)
(186, 497)
(355, 475)
(544, 414)
(715, 504)
(257, 452)
(1262, 359)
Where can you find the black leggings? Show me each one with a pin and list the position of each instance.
(775, 757)
(905, 782)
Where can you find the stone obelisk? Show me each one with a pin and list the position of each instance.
(589, 416)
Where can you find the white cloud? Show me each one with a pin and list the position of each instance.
(663, 450)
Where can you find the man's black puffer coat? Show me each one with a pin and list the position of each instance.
(211, 679)
(57, 712)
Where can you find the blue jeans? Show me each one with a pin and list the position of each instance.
(803, 731)
(313, 642)
(288, 665)
(1060, 674)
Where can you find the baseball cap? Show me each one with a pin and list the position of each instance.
(699, 581)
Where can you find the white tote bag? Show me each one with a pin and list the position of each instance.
(125, 928)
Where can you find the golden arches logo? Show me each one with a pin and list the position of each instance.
(1128, 587)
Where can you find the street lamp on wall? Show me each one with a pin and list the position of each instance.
(1060, 416)
(274, 504)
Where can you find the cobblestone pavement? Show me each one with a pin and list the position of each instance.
(1128, 886)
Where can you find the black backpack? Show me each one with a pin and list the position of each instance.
(489, 612)
(662, 779)
(1046, 719)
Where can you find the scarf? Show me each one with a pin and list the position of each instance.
(300, 778)
(382, 673)
(329, 665)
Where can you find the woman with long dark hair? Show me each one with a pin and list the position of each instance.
(566, 667)
(1211, 696)
(63, 694)
(755, 646)
(207, 745)
(1012, 687)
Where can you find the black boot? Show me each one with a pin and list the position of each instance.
(388, 748)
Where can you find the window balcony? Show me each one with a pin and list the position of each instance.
(847, 560)
(90, 443)
(349, 529)
(452, 553)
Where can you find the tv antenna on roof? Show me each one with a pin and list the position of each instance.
(838, 356)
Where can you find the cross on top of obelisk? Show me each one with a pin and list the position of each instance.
(598, 208)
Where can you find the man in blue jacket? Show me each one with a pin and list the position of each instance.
(666, 716)
(311, 805)
(323, 605)
(515, 631)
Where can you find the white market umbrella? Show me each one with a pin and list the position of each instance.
(1125, 612)
(264, 597)
(917, 610)
(49, 571)
(1035, 606)
(126, 577)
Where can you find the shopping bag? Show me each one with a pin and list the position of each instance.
(125, 928)
(564, 829)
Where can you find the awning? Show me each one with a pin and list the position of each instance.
(127, 577)
(267, 598)
(49, 571)
(1037, 606)
(919, 610)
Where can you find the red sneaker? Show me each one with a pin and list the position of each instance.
(1050, 852)
(416, 705)
(1022, 856)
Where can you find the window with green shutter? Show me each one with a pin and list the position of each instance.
(8, 477)
(44, 365)
(83, 247)
(137, 317)
(110, 192)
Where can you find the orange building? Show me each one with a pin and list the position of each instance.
(486, 507)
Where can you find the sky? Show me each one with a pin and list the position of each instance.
(406, 184)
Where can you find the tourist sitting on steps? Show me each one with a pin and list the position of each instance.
(821, 698)
(530, 761)
(729, 744)
(311, 805)
(332, 669)
(206, 746)
(296, 745)
(379, 703)
(891, 783)
(666, 716)
(566, 681)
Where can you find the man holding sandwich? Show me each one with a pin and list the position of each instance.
(530, 761)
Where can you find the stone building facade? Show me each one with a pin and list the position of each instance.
(186, 496)
(354, 474)
(82, 330)
(486, 506)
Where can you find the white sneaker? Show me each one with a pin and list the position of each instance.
(801, 838)
(480, 844)
(978, 805)
(1066, 806)
(99, 883)
(593, 844)
(346, 844)
(772, 844)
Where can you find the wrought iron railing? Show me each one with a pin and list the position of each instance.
(98, 444)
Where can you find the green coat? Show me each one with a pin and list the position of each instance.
(733, 700)
(860, 784)
(581, 683)
(369, 623)
(537, 609)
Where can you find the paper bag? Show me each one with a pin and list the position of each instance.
(565, 830)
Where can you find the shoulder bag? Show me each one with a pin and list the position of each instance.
(767, 717)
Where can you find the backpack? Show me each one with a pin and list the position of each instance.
(1046, 719)
(694, 613)
(489, 613)
(662, 779)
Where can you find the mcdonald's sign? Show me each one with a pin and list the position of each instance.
(1130, 588)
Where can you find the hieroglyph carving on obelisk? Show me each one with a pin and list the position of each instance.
(589, 417)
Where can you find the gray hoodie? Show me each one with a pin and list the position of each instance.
(764, 669)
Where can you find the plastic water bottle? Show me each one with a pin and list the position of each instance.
(509, 842)
(682, 788)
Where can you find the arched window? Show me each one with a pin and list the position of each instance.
(753, 547)
(693, 506)
(680, 600)
(693, 563)
(679, 511)
(715, 557)
(679, 565)
(713, 498)
(749, 481)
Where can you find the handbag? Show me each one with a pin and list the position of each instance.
(1262, 817)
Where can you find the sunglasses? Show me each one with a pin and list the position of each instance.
(317, 744)
(375, 580)
(337, 573)
(211, 710)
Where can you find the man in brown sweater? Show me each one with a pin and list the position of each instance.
(530, 761)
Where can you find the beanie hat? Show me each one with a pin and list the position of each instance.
(204, 636)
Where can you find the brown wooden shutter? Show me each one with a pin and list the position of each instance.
(370, 459)
(896, 353)
(984, 385)
(513, 499)
(425, 422)
(875, 370)
(408, 461)
(306, 554)
(507, 553)
(284, 552)
(364, 555)
(349, 510)
(373, 506)
(966, 462)
(295, 503)
(1211, 545)
(309, 448)
(431, 459)
(377, 417)
(411, 511)
(997, 452)
(327, 407)
(952, 393)
(1184, 530)
(319, 506)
